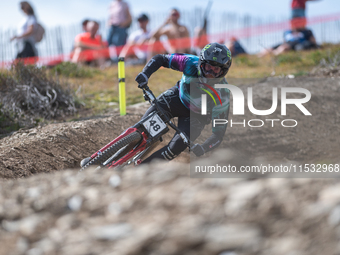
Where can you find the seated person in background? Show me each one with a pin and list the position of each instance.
(177, 34)
(84, 24)
(297, 38)
(235, 47)
(89, 47)
(136, 46)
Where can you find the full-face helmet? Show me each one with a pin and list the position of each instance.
(214, 61)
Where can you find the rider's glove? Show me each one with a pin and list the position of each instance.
(142, 80)
(198, 150)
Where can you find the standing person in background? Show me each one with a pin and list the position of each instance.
(119, 21)
(201, 33)
(25, 35)
(136, 46)
(177, 34)
(299, 8)
(200, 40)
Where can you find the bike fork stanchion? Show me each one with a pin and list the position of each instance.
(121, 79)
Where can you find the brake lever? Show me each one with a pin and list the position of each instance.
(150, 95)
(145, 95)
(146, 98)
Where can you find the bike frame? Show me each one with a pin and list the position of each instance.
(147, 140)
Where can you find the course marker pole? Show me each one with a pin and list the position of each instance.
(121, 80)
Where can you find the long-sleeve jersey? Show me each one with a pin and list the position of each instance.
(191, 88)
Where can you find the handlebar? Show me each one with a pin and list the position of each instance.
(148, 95)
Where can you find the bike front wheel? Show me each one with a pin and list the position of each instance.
(122, 146)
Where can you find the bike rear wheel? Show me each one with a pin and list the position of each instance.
(129, 141)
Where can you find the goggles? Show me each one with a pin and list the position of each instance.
(214, 71)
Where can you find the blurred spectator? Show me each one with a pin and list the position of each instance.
(297, 38)
(235, 47)
(119, 21)
(136, 46)
(89, 47)
(84, 24)
(200, 40)
(299, 8)
(201, 34)
(177, 34)
(25, 34)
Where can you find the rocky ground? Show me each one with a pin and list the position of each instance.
(158, 209)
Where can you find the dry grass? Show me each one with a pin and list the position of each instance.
(100, 92)
(98, 88)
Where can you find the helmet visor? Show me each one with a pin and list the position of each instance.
(211, 71)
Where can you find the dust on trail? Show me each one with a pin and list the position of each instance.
(316, 138)
(157, 208)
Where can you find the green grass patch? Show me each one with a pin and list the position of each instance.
(247, 61)
(300, 73)
(71, 70)
(289, 58)
(7, 123)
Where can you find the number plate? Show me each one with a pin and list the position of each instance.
(154, 125)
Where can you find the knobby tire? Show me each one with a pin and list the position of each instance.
(131, 140)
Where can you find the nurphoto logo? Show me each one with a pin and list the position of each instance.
(238, 105)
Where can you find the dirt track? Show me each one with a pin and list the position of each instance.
(159, 210)
(314, 139)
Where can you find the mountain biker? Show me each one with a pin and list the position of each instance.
(205, 70)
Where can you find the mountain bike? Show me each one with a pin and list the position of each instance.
(135, 143)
